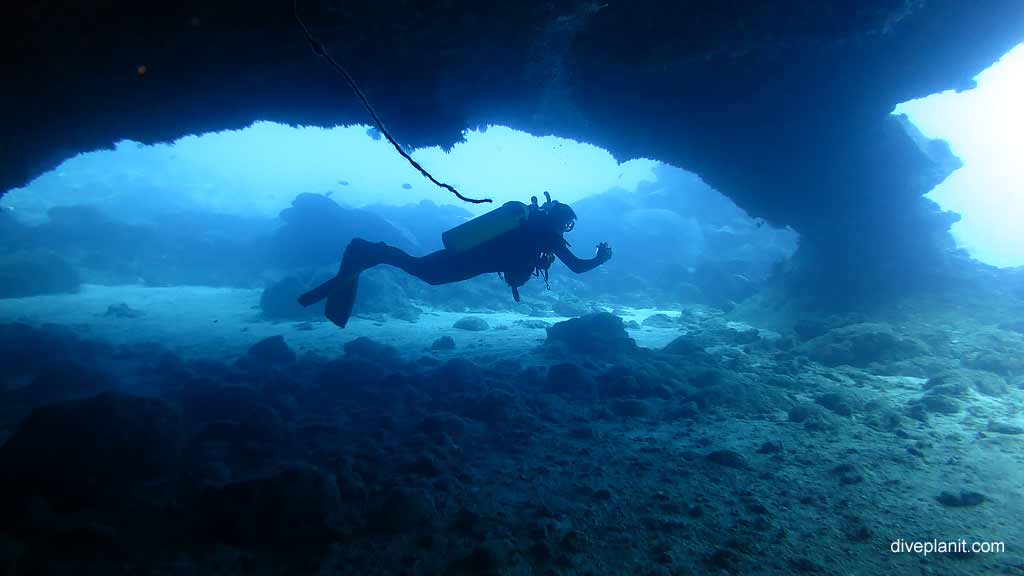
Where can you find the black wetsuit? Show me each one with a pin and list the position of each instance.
(515, 254)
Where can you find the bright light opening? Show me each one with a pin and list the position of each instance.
(985, 128)
(257, 171)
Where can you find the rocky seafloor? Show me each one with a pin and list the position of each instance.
(729, 450)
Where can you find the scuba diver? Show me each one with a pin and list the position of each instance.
(516, 241)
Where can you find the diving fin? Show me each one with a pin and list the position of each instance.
(340, 300)
(317, 294)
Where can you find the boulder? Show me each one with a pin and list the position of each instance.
(122, 310)
(34, 272)
(91, 452)
(294, 514)
(569, 309)
(444, 343)
(600, 334)
(279, 301)
(660, 321)
(401, 511)
(271, 351)
(373, 351)
(471, 323)
(861, 345)
(569, 380)
(728, 458)
(316, 229)
(957, 382)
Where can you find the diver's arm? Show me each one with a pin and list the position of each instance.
(581, 265)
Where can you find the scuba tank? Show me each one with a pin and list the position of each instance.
(510, 216)
(505, 218)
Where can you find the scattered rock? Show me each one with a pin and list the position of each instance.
(837, 402)
(956, 382)
(1006, 363)
(600, 334)
(810, 328)
(373, 351)
(569, 309)
(800, 413)
(570, 380)
(271, 351)
(801, 564)
(861, 345)
(660, 321)
(937, 404)
(60, 381)
(728, 458)
(532, 324)
(583, 432)
(630, 408)
(723, 559)
(848, 473)
(401, 511)
(471, 323)
(494, 407)
(456, 375)
(295, 513)
(442, 423)
(1004, 428)
(279, 301)
(91, 452)
(122, 310)
(444, 343)
(34, 272)
(963, 499)
(409, 313)
(685, 346)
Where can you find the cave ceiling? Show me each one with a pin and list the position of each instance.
(783, 106)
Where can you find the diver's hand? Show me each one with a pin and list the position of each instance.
(604, 252)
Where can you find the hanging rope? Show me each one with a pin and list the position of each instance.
(320, 50)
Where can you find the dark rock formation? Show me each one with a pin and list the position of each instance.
(569, 309)
(443, 343)
(279, 301)
(957, 382)
(471, 323)
(862, 344)
(271, 351)
(91, 452)
(747, 97)
(122, 310)
(372, 351)
(33, 272)
(316, 230)
(292, 515)
(601, 334)
(570, 380)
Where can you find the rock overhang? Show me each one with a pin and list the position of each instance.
(784, 108)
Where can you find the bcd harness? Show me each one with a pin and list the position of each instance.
(546, 258)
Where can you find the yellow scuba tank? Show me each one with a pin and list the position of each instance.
(506, 218)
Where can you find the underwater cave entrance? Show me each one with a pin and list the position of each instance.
(257, 171)
(249, 207)
(984, 127)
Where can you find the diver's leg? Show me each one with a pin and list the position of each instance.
(441, 267)
(351, 265)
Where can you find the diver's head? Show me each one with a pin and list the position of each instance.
(563, 219)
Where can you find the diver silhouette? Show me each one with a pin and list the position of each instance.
(516, 240)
